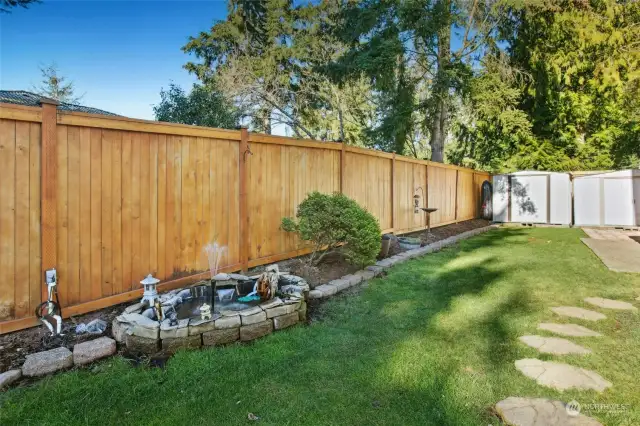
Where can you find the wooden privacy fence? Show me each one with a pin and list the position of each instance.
(106, 200)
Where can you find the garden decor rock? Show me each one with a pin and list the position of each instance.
(8, 377)
(568, 329)
(46, 362)
(574, 312)
(553, 345)
(610, 304)
(561, 376)
(86, 352)
(541, 412)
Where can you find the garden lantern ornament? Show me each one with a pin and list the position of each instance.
(150, 292)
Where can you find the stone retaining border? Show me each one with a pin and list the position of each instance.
(246, 325)
(336, 286)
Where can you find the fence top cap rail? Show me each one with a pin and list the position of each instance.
(148, 126)
(286, 140)
(20, 112)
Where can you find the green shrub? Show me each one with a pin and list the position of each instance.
(337, 223)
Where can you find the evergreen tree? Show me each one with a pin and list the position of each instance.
(390, 37)
(583, 85)
(7, 5)
(55, 86)
(203, 106)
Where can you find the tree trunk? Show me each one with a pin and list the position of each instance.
(440, 123)
(267, 121)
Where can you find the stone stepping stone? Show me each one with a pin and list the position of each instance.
(610, 304)
(580, 313)
(541, 412)
(561, 376)
(574, 330)
(554, 345)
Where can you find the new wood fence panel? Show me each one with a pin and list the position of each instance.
(410, 179)
(466, 203)
(368, 181)
(20, 254)
(279, 179)
(129, 197)
(442, 194)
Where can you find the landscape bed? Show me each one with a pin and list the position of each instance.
(14, 347)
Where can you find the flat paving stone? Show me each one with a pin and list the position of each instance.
(610, 304)
(540, 412)
(573, 330)
(553, 345)
(580, 313)
(561, 376)
(618, 256)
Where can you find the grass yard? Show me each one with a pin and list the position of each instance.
(433, 343)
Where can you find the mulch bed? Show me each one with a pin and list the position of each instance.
(15, 346)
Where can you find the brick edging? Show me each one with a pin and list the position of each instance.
(332, 287)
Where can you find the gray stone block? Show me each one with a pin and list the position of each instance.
(189, 342)
(119, 330)
(251, 311)
(255, 318)
(142, 344)
(327, 290)
(377, 270)
(281, 310)
(384, 263)
(8, 377)
(276, 301)
(285, 321)
(227, 322)
(315, 294)
(201, 328)
(302, 312)
(254, 331)
(352, 279)
(220, 337)
(365, 275)
(86, 352)
(137, 308)
(340, 284)
(149, 333)
(46, 362)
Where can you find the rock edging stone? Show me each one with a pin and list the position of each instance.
(370, 272)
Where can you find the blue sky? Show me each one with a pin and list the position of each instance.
(118, 53)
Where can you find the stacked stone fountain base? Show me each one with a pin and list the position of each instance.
(140, 333)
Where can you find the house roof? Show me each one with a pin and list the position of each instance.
(22, 97)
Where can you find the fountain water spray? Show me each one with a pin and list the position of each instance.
(214, 254)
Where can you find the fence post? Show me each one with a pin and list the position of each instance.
(456, 200)
(343, 159)
(393, 191)
(48, 185)
(244, 216)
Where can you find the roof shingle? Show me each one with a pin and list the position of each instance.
(22, 97)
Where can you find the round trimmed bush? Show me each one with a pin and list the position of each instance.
(335, 222)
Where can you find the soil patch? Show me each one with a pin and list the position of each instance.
(14, 347)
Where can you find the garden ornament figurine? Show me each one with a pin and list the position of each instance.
(205, 312)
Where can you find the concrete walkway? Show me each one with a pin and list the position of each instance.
(622, 255)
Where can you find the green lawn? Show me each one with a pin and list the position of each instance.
(433, 343)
